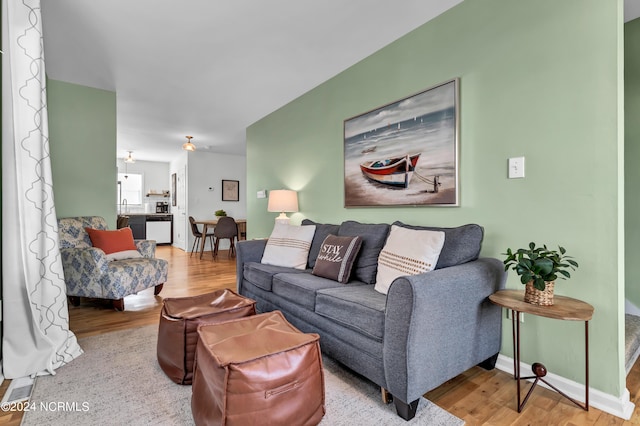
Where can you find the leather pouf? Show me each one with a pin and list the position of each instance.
(258, 370)
(179, 320)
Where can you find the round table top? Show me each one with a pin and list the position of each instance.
(563, 308)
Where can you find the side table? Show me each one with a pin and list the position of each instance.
(564, 308)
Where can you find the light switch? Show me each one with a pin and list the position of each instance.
(516, 167)
(262, 194)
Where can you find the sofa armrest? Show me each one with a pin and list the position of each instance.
(83, 270)
(247, 251)
(439, 324)
(147, 248)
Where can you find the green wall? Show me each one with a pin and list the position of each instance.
(632, 154)
(82, 138)
(537, 79)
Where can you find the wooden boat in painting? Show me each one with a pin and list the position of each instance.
(391, 171)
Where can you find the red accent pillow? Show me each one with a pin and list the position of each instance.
(112, 241)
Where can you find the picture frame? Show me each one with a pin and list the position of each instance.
(174, 198)
(405, 153)
(230, 190)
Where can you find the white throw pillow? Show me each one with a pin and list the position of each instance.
(407, 252)
(125, 254)
(289, 245)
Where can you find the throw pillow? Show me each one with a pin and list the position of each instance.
(336, 257)
(407, 252)
(288, 246)
(122, 255)
(112, 241)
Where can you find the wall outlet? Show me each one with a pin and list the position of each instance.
(509, 315)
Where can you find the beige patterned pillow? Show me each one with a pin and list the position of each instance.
(289, 245)
(407, 252)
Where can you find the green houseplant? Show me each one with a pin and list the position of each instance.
(539, 267)
(220, 213)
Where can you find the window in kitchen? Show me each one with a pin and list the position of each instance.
(130, 189)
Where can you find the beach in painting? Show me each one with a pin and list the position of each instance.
(425, 124)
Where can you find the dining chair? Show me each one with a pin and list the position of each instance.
(226, 228)
(197, 234)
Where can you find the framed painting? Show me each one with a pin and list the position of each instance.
(405, 153)
(230, 190)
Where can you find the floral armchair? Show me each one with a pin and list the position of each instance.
(89, 273)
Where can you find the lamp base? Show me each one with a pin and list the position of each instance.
(283, 219)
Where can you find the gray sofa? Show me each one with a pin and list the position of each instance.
(428, 328)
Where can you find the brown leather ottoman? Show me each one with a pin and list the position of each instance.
(258, 370)
(179, 320)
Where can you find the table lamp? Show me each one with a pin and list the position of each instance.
(282, 200)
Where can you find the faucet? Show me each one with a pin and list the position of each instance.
(124, 202)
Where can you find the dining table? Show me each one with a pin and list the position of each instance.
(211, 223)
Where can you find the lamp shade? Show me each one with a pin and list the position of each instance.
(283, 200)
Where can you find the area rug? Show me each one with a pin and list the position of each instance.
(118, 382)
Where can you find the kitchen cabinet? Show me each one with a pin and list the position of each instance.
(137, 223)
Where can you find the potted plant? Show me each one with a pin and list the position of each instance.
(220, 213)
(538, 268)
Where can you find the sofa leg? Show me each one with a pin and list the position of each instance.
(404, 410)
(74, 300)
(489, 363)
(118, 305)
(386, 396)
(157, 289)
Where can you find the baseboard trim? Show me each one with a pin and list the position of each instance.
(618, 406)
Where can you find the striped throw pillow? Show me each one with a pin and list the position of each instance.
(407, 252)
(289, 245)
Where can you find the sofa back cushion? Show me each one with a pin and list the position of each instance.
(71, 231)
(373, 239)
(322, 232)
(461, 244)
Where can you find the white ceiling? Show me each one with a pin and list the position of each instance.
(210, 68)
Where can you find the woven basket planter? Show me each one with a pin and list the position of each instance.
(539, 297)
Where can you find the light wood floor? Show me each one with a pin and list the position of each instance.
(477, 396)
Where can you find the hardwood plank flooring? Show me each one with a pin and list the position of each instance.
(477, 396)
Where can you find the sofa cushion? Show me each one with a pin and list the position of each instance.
(288, 245)
(373, 239)
(322, 231)
(71, 233)
(300, 288)
(407, 252)
(261, 275)
(461, 244)
(336, 258)
(360, 308)
(112, 241)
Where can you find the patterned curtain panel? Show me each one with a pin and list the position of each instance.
(36, 338)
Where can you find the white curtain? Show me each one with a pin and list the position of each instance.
(36, 337)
